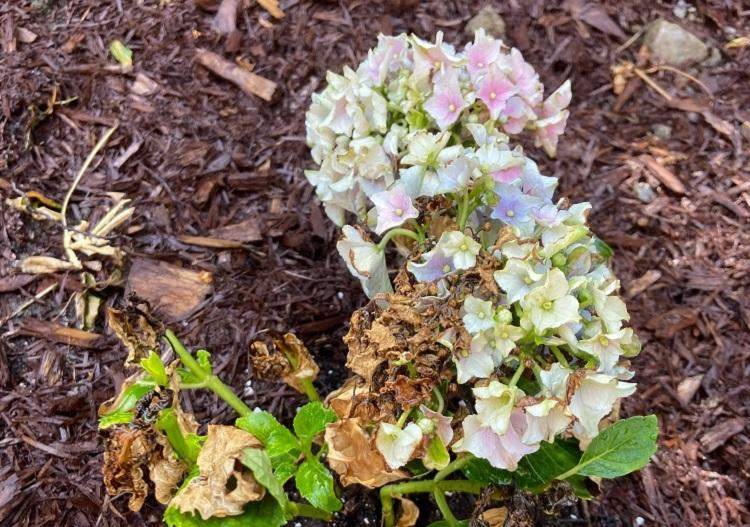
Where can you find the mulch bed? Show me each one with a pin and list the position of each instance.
(201, 154)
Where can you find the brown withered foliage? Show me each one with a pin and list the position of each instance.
(133, 329)
(126, 453)
(288, 359)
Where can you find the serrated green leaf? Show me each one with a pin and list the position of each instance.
(621, 448)
(311, 420)
(315, 484)
(481, 471)
(258, 461)
(121, 53)
(155, 368)
(204, 359)
(537, 471)
(123, 412)
(264, 513)
(277, 439)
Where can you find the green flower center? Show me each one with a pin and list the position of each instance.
(464, 247)
(528, 280)
(446, 268)
(604, 341)
(547, 305)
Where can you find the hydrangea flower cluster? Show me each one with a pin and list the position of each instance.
(418, 120)
(505, 331)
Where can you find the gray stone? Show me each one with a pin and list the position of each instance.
(644, 192)
(488, 19)
(662, 131)
(673, 45)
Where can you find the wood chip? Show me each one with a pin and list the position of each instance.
(225, 21)
(58, 333)
(172, 292)
(668, 324)
(248, 82)
(213, 243)
(721, 433)
(663, 174)
(13, 282)
(143, 85)
(25, 35)
(687, 388)
(244, 231)
(639, 285)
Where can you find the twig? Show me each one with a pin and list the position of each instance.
(680, 72)
(248, 82)
(44, 292)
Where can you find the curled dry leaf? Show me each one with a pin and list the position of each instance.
(223, 485)
(290, 360)
(352, 454)
(134, 332)
(409, 513)
(126, 452)
(367, 347)
(495, 517)
(165, 470)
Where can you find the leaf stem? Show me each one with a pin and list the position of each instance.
(212, 382)
(445, 509)
(517, 374)
(424, 486)
(396, 232)
(453, 466)
(307, 385)
(559, 356)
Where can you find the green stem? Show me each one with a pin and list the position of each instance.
(167, 422)
(424, 486)
(517, 374)
(403, 418)
(308, 511)
(212, 382)
(309, 389)
(453, 466)
(559, 356)
(396, 232)
(463, 211)
(445, 509)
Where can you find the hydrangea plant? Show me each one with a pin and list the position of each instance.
(504, 340)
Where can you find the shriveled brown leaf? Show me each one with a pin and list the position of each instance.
(352, 454)
(166, 471)
(209, 494)
(367, 348)
(126, 452)
(289, 359)
(495, 517)
(135, 332)
(409, 513)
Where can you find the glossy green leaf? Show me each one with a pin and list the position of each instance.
(155, 368)
(436, 454)
(315, 483)
(264, 513)
(311, 420)
(481, 471)
(537, 471)
(277, 439)
(620, 449)
(258, 461)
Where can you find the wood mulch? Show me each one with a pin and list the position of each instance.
(204, 162)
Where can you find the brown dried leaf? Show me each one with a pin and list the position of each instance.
(165, 470)
(495, 517)
(367, 347)
(209, 494)
(126, 452)
(302, 364)
(45, 265)
(134, 332)
(409, 513)
(352, 454)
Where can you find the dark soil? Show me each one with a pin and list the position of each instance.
(210, 155)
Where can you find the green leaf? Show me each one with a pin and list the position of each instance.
(186, 446)
(126, 401)
(284, 466)
(121, 53)
(311, 420)
(436, 455)
(620, 449)
(481, 471)
(155, 367)
(264, 513)
(203, 357)
(443, 523)
(258, 461)
(537, 471)
(277, 439)
(315, 484)
(602, 248)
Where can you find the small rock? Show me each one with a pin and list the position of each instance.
(644, 192)
(671, 44)
(693, 117)
(488, 19)
(662, 131)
